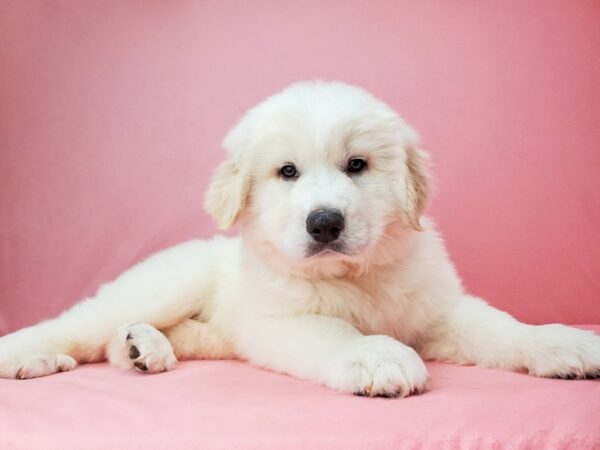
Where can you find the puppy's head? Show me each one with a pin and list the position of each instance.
(320, 171)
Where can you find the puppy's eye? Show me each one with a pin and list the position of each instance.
(289, 172)
(356, 166)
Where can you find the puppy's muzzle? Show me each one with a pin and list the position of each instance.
(325, 225)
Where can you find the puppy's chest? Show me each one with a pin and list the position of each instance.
(376, 305)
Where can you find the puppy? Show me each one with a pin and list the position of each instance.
(336, 276)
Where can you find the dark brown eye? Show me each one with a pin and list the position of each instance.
(289, 172)
(356, 166)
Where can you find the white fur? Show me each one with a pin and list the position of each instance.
(140, 346)
(356, 321)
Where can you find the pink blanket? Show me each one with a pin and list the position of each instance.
(229, 404)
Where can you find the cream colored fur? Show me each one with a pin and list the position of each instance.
(360, 321)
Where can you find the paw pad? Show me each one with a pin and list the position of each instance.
(134, 353)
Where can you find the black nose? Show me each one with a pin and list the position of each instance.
(325, 225)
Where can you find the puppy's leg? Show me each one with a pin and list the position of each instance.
(161, 291)
(332, 352)
(475, 333)
(141, 347)
(192, 339)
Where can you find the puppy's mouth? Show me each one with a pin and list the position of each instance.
(329, 249)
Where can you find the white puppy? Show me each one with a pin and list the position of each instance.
(336, 278)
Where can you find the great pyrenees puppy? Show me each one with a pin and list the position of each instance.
(336, 276)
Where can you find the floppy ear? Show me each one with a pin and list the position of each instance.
(227, 193)
(418, 185)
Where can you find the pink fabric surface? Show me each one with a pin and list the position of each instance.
(112, 113)
(229, 404)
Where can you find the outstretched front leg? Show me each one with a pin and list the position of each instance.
(472, 332)
(330, 351)
(161, 291)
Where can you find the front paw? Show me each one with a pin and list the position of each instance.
(377, 366)
(141, 347)
(558, 351)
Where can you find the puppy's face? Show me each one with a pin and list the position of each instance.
(318, 172)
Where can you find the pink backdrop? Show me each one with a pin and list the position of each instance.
(112, 113)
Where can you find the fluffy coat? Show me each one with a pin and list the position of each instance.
(360, 317)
